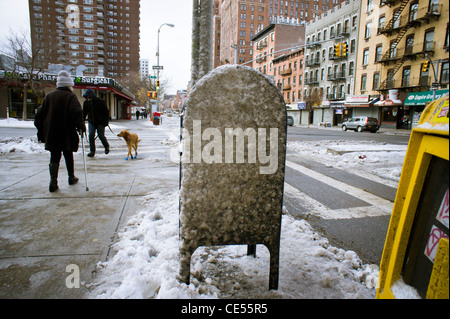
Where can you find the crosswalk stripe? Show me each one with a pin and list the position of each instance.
(353, 191)
(318, 209)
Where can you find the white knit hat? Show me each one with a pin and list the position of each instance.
(64, 79)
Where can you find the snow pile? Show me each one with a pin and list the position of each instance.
(378, 159)
(400, 290)
(146, 263)
(21, 145)
(12, 122)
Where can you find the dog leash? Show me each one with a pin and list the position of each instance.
(115, 135)
(111, 130)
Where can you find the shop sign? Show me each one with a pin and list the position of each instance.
(301, 105)
(421, 98)
(357, 98)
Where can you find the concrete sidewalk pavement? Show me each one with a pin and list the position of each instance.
(45, 238)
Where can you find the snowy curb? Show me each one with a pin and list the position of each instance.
(146, 263)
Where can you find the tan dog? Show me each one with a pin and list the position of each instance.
(132, 140)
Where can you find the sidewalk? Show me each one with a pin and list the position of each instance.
(42, 233)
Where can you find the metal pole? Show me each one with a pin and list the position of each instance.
(157, 71)
(84, 161)
(235, 47)
(157, 61)
(435, 85)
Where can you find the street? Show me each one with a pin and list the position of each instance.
(364, 230)
(312, 186)
(313, 133)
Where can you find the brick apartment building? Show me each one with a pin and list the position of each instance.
(241, 20)
(271, 40)
(96, 37)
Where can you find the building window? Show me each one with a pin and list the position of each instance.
(409, 44)
(369, 5)
(406, 76)
(367, 30)
(413, 11)
(444, 72)
(393, 49)
(376, 81)
(378, 53)
(447, 39)
(428, 41)
(353, 46)
(381, 21)
(366, 57)
(363, 82)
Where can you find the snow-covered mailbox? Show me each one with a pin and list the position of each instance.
(233, 160)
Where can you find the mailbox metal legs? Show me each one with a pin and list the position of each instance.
(185, 263)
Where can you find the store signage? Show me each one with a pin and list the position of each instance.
(421, 98)
(357, 98)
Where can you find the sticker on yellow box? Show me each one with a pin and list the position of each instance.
(442, 114)
(433, 240)
(443, 210)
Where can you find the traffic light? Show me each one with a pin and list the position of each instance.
(157, 85)
(337, 50)
(425, 66)
(344, 49)
(152, 95)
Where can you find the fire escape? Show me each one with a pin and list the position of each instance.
(400, 27)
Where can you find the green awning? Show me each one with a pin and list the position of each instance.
(421, 98)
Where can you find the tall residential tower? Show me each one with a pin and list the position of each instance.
(94, 37)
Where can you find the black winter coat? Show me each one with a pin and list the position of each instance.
(58, 119)
(96, 111)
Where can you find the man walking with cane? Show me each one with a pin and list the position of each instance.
(97, 115)
(57, 120)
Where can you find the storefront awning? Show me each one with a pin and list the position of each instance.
(103, 88)
(422, 98)
(122, 95)
(362, 104)
(389, 102)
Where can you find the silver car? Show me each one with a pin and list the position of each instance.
(361, 123)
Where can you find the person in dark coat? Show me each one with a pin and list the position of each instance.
(97, 114)
(57, 120)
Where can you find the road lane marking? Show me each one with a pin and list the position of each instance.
(320, 210)
(351, 190)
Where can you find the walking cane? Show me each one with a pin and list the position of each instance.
(84, 162)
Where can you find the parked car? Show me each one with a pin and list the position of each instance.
(290, 120)
(361, 123)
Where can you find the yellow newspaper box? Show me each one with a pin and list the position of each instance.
(416, 252)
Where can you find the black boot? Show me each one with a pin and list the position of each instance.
(70, 171)
(73, 180)
(53, 168)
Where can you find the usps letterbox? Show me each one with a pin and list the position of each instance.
(232, 170)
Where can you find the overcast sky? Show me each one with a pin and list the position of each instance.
(175, 43)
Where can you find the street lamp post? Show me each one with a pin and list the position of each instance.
(157, 59)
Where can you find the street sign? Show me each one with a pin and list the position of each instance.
(158, 67)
